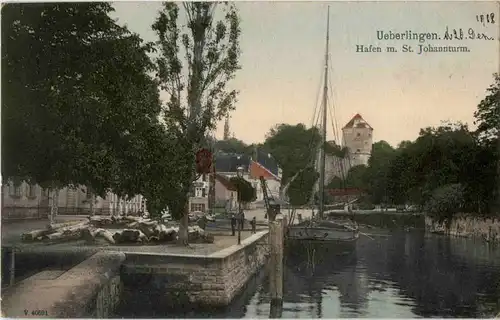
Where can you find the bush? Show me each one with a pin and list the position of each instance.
(246, 192)
(445, 202)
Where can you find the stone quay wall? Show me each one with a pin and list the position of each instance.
(91, 289)
(471, 227)
(196, 280)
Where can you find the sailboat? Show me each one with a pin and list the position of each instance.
(335, 236)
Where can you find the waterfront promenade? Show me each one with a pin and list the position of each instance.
(208, 273)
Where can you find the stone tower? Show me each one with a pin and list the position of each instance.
(357, 135)
(226, 129)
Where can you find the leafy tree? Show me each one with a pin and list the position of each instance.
(441, 156)
(376, 175)
(300, 190)
(232, 145)
(488, 112)
(356, 177)
(76, 93)
(446, 201)
(488, 120)
(198, 95)
(292, 146)
(246, 193)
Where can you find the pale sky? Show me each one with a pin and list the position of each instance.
(283, 45)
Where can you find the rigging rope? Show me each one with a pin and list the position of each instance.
(314, 123)
(341, 144)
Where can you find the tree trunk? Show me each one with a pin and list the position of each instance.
(91, 202)
(183, 226)
(54, 205)
(120, 206)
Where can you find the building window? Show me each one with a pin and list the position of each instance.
(358, 134)
(203, 192)
(198, 207)
(358, 150)
(88, 193)
(15, 189)
(197, 192)
(31, 191)
(204, 177)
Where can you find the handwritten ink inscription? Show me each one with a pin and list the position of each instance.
(484, 19)
(461, 34)
(431, 42)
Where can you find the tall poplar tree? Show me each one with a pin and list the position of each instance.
(196, 61)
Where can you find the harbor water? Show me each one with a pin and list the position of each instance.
(392, 274)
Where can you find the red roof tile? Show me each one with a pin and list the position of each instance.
(257, 170)
(225, 182)
(362, 124)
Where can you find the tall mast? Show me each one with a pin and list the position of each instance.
(323, 125)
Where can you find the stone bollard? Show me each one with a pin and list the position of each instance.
(276, 259)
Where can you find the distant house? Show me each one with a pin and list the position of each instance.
(225, 193)
(24, 201)
(259, 164)
(198, 200)
(27, 201)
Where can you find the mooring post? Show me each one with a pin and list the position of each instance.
(12, 270)
(276, 238)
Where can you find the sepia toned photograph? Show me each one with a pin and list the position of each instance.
(250, 159)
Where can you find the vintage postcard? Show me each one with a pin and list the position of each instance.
(253, 159)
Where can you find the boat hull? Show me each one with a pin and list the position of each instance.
(322, 247)
(330, 238)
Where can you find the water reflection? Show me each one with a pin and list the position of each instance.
(396, 275)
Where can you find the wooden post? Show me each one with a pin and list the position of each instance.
(276, 260)
(12, 273)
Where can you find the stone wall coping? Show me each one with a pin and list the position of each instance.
(224, 253)
(153, 258)
(71, 295)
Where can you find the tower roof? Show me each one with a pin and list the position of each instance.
(357, 122)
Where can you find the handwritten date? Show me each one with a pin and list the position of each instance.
(461, 34)
(488, 18)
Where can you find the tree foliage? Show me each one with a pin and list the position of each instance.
(233, 145)
(377, 174)
(488, 112)
(77, 97)
(301, 188)
(295, 147)
(246, 193)
(195, 63)
(446, 169)
(445, 201)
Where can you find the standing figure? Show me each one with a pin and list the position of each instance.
(233, 224)
(254, 225)
(242, 220)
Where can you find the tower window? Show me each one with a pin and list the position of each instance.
(358, 150)
(358, 134)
